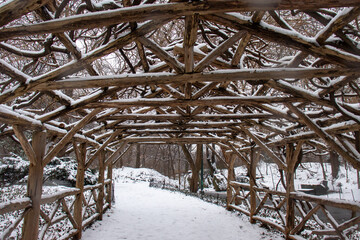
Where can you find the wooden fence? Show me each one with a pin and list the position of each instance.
(59, 211)
(313, 215)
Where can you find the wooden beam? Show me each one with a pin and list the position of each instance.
(338, 22)
(256, 18)
(162, 54)
(325, 136)
(66, 40)
(150, 11)
(174, 140)
(29, 151)
(286, 38)
(178, 117)
(263, 146)
(199, 55)
(182, 131)
(13, 72)
(11, 10)
(67, 138)
(102, 147)
(245, 160)
(128, 80)
(80, 64)
(11, 117)
(180, 126)
(115, 154)
(240, 49)
(337, 85)
(121, 155)
(206, 61)
(162, 102)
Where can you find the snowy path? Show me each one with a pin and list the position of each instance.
(146, 213)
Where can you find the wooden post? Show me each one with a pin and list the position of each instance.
(34, 187)
(100, 202)
(252, 177)
(290, 205)
(109, 186)
(80, 175)
(137, 162)
(230, 160)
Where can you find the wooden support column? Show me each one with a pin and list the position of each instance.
(190, 34)
(290, 206)
(34, 187)
(230, 160)
(100, 202)
(80, 152)
(357, 146)
(293, 158)
(252, 177)
(109, 187)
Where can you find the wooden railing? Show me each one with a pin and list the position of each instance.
(57, 212)
(313, 215)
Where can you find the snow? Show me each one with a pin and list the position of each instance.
(127, 174)
(142, 212)
(333, 20)
(344, 187)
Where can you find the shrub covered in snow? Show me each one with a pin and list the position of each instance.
(14, 169)
(64, 169)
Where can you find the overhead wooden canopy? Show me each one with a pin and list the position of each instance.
(239, 73)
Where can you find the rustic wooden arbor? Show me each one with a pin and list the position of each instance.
(279, 77)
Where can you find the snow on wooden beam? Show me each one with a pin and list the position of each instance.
(29, 151)
(148, 12)
(178, 117)
(338, 22)
(8, 116)
(325, 136)
(11, 10)
(185, 131)
(184, 140)
(115, 154)
(264, 147)
(181, 126)
(162, 54)
(128, 80)
(286, 38)
(80, 64)
(206, 61)
(102, 147)
(121, 155)
(69, 135)
(161, 102)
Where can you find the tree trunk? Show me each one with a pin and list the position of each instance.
(213, 169)
(195, 166)
(335, 164)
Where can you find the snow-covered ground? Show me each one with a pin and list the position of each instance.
(148, 213)
(344, 187)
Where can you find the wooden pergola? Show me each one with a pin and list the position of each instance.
(279, 77)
